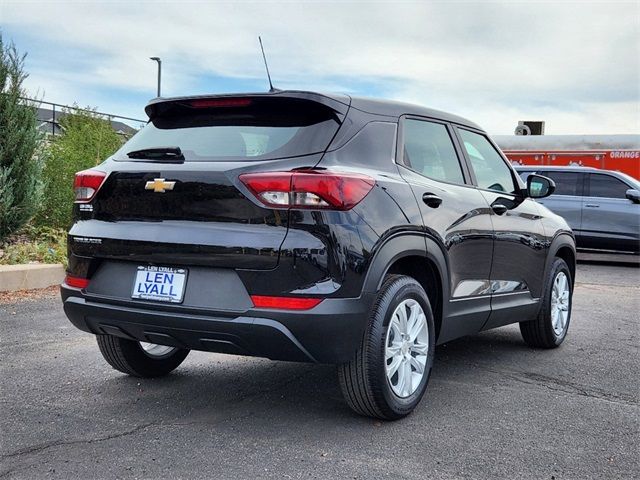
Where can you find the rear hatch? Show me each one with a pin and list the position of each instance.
(172, 193)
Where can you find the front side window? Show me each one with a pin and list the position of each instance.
(606, 186)
(492, 173)
(429, 151)
(524, 175)
(567, 183)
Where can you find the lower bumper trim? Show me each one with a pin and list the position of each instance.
(330, 333)
(238, 336)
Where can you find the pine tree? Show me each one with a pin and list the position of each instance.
(20, 141)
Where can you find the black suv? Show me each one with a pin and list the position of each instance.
(314, 228)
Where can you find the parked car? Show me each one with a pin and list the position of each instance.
(314, 228)
(601, 206)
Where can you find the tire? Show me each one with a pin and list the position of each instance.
(128, 356)
(364, 381)
(543, 331)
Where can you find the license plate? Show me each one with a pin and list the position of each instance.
(164, 284)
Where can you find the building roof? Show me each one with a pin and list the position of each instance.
(51, 125)
(567, 142)
(560, 168)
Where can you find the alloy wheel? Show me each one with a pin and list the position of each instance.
(406, 348)
(155, 350)
(560, 305)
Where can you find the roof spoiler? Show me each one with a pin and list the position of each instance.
(339, 103)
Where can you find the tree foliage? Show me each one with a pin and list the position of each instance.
(20, 142)
(87, 139)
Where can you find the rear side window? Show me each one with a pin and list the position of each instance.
(492, 172)
(429, 151)
(567, 183)
(249, 129)
(606, 186)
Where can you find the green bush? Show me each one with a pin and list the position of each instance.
(20, 146)
(35, 244)
(86, 141)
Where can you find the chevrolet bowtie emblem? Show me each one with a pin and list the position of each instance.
(159, 185)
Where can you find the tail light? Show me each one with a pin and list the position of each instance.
(285, 303)
(76, 282)
(308, 189)
(87, 183)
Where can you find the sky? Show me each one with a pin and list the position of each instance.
(575, 65)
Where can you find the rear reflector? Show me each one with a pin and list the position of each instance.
(285, 303)
(87, 183)
(308, 189)
(220, 102)
(76, 282)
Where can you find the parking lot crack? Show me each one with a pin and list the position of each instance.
(6, 473)
(565, 386)
(56, 443)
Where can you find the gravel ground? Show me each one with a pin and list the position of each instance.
(494, 408)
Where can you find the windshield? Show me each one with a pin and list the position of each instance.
(634, 183)
(263, 129)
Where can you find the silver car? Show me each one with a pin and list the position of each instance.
(601, 206)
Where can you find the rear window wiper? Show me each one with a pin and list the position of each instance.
(157, 153)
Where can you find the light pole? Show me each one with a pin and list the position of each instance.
(157, 59)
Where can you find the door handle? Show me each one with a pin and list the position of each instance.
(592, 205)
(432, 200)
(499, 209)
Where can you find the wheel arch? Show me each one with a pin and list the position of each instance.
(419, 257)
(563, 246)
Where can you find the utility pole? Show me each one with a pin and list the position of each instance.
(157, 59)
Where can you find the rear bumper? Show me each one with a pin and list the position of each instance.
(328, 333)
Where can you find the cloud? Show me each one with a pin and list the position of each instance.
(575, 64)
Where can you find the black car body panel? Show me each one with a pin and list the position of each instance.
(480, 269)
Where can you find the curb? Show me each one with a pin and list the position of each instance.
(30, 276)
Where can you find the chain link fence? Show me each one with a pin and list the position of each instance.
(49, 115)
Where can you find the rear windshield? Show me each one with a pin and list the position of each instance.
(250, 129)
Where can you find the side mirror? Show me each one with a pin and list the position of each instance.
(633, 195)
(539, 186)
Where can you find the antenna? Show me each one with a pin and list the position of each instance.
(264, 57)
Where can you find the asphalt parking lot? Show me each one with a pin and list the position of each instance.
(494, 408)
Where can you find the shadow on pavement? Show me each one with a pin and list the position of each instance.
(215, 388)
